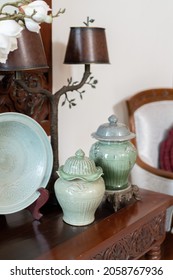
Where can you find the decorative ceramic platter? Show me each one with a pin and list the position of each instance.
(26, 161)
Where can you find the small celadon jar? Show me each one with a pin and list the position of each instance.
(114, 152)
(79, 189)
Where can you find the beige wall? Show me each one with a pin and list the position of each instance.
(140, 42)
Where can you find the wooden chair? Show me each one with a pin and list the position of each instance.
(151, 118)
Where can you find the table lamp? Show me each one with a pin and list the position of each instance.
(86, 45)
(29, 55)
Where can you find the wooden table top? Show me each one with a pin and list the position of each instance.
(51, 238)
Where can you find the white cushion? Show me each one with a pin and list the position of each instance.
(152, 121)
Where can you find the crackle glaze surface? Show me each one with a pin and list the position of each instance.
(79, 199)
(25, 161)
(116, 159)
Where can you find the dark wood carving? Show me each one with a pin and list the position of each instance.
(15, 99)
(134, 244)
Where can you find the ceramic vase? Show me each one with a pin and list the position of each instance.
(114, 152)
(79, 189)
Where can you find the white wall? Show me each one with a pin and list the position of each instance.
(140, 43)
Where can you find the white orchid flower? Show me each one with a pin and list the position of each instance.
(7, 44)
(48, 19)
(38, 10)
(11, 25)
(10, 30)
(4, 48)
(31, 25)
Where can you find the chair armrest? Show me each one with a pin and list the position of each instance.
(153, 170)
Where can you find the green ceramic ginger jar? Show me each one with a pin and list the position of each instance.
(114, 153)
(79, 189)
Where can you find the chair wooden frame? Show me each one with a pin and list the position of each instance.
(138, 100)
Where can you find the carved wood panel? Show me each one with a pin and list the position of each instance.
(133, 245)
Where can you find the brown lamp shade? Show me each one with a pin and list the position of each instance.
(29, 55)
(86, 45)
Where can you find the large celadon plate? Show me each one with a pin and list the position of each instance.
(26, 161)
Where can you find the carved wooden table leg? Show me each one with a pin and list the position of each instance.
(34, 208)
(154, 253)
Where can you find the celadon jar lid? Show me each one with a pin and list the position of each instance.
(80, 167)
(113, 131)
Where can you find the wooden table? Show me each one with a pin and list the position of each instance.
(133, 231)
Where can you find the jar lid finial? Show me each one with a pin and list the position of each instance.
(113, 131)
